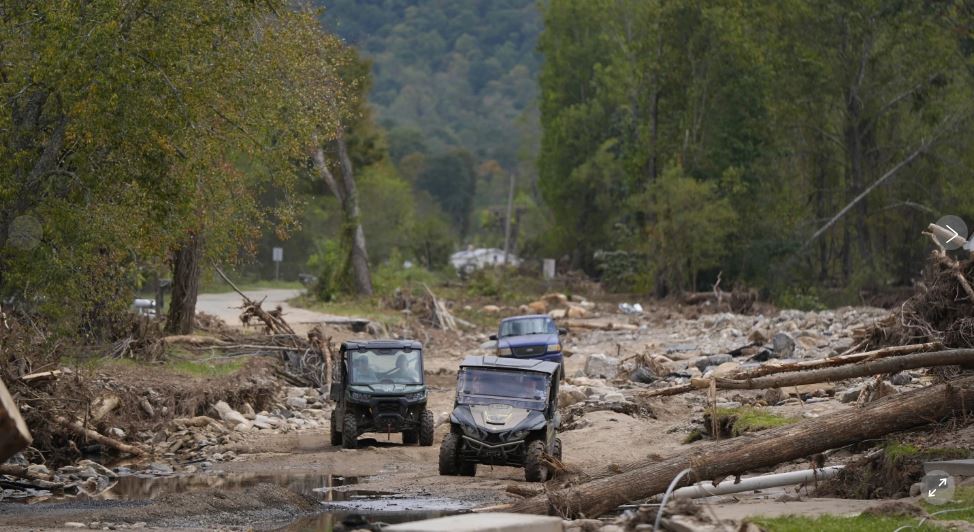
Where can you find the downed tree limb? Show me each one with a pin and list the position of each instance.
(20, 471)
(94, 436)
(103, 406)
(769, 369)
(950, 357)
(14, 435)
(43, 376)
(600, 325)
(767, 448)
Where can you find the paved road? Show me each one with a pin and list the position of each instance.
(226, 306)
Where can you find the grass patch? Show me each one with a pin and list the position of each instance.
(962, 502)
(218, 286)
(193, 368)
(831, 523)
(750, 419)
(897, 450)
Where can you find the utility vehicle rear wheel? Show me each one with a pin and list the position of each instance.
(409, 437)
(336, 435)
(468, 469)
(535, 469)
(558, 448)
(349, 432)
(426, 429)
(450, 455)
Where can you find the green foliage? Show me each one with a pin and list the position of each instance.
(125, 131)
(800, 298)
(748, 419)
(831, 523)
(762, 121)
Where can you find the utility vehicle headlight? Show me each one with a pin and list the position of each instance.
(504, 352)
(470, 431)
(519, 435)
(554, 348)
(358, 396)
(418, 396)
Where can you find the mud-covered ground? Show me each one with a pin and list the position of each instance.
(298, 481)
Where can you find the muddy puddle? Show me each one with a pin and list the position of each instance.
(342, 498)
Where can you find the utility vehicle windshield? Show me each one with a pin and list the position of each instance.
(475, 383)
(527, 326)
(386, 366)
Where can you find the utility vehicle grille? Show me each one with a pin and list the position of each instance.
(387, 408)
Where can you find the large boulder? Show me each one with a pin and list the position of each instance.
(229, 414)
(601, 366)
(713, 360)
(783, 344)
(569, 395)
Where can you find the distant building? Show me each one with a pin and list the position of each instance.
(475, 259)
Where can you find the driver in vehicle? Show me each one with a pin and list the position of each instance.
(404, 372)
(363, 374)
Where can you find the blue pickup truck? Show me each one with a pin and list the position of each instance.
(534, 336)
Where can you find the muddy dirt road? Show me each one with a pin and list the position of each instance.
(298, 481)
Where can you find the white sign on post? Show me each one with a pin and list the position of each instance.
(278, 254)
(548, 269)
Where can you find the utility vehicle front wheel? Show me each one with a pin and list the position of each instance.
(336, 435)
(535, 469)
(558, 448)
(349, 432)
(426, 429)
(450, 455)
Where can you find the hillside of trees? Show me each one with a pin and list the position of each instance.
(788, 145)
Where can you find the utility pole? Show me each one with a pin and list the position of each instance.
(507, 220)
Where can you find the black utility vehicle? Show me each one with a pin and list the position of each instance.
(506, 413)
(378, 386)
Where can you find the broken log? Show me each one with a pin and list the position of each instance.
(24, 472)
(78, 428)
(770, 369)
(767, 448)
(950, 357)
(14, 435)
(42, 376)
(600, 325)
(103, 406)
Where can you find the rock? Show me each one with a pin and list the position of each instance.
(901, 378)
(725, 370)
(601, 366)
(757, 337)
(146, 407)
(880, 390)
(159, 468)
(295, 391)
(851, 395)
(441, 418)
(74, 524)
(569, 395)
(38, 470)
(243, 427)
(763, 355)
(558, 313)
(614, 397)
(297, 403)
(270, 422)
(712, 360)
(783, 344)
(490, 309)
(98, 468)
(117, 433)
(576, 312)
(537, 307)
(229, 414)
(643, 375)
(555, 299)
(773, 396)
(248, 411)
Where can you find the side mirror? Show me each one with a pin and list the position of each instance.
(562, 331)
(335, 393)
(492, 337)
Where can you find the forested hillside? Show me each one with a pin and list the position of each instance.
(785, 144)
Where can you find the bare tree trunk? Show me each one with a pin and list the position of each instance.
(347, 193)
(14, 435)
(766, 448)
(185, 286)
(507, 220)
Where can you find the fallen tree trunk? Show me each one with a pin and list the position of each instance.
(950, 357)
(14, 435)
(767, 448)
(94, 436)
(770, 369)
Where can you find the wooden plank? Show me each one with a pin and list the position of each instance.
(14, 435)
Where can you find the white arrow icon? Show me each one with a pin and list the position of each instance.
(952, 231)
(943, 482)
(931, 493)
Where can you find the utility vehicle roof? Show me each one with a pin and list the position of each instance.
(524, 364)
(383, 344)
